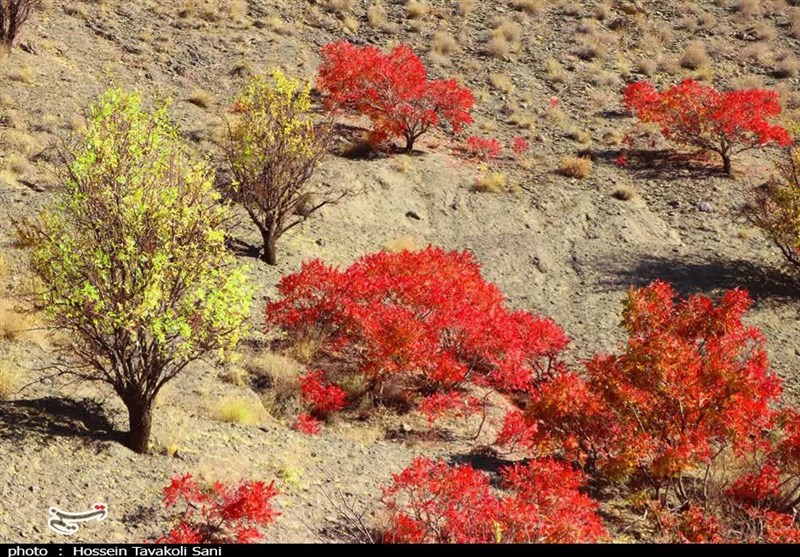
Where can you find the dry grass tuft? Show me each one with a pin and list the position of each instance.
(493, 182)
(416, 9)
(554, 71)
(465, 7)
(534, 7)
(243, 411)
(277, 376)
(695, 56)
(200, 98)
(402, 243)
(501, 82)
(576, 167)
(444, 43)
(624, 193)
(14, 323)
(23, 74)
(376, 15)
(10, 378)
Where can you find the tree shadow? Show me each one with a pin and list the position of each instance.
(59, 417)
(702, 276)
(241, 248)
(664, 164)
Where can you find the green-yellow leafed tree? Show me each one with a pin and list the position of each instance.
(133, 260)
(273, 148)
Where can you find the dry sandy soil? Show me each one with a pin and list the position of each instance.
(562, 247)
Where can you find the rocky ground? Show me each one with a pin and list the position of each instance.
(562, 247)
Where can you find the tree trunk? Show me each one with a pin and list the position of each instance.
(140, 420)
(270, 251)
(410, 144)
(726, 164)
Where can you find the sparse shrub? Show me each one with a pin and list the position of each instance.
(576, 167)
(775, 207)
(431, 502)
(727, 123)
(423, 319)
(485, 148)
(219, 513)
(392, 90)
(13, 15)
(133, 261)
(273, 148)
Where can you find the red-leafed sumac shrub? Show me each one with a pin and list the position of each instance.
(431, 502)
(520, 145)
(692, 380)
(220, 513)
(726, 122)
(306, 423)
(393, 90)
(424, 319)
(483, 147)
(690, 525)
(322, 397)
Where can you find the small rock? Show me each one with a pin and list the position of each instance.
(413, 215)
(706, 207)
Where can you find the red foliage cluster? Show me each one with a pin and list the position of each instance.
(427, 319)
(520, 145)
(483, 147)
(393, 90)
(771, 493)
(431, 502)
(517, 432)
(726, 122)
(220, 514)
(755, 489)
(454, 403)
(324, 398)
(306, 423)
(691, 525)
(692, 379)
